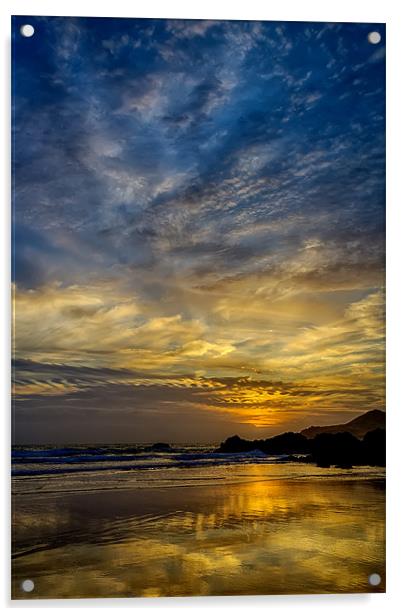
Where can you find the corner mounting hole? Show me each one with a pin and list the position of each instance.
(27, 585)
(374, 579)
(27, 30)
(374, 38)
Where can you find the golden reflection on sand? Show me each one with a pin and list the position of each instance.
(262, 537)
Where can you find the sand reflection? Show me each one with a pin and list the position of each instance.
(261, 537)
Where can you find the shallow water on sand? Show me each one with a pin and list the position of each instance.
(243, 529)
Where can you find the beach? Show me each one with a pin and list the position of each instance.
(202, 525)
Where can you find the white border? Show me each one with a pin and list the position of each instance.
(291, 10)
(387, 11)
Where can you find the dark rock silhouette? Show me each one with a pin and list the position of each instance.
(345, 450)
(287, 443)
(374, 448)
(159, 447)
(359, 426)
(341, 449)
(235, 444)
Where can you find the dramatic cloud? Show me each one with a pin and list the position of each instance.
(198, 227)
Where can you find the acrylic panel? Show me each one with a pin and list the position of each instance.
(198, 301)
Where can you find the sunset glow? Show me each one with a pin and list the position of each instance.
(199, 229)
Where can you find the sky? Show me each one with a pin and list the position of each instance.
(198, 228)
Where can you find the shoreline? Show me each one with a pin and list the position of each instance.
(195, 477)
(163, 540)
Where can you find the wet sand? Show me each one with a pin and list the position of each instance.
(263, 534)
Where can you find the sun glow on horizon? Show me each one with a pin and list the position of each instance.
(199, 240)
